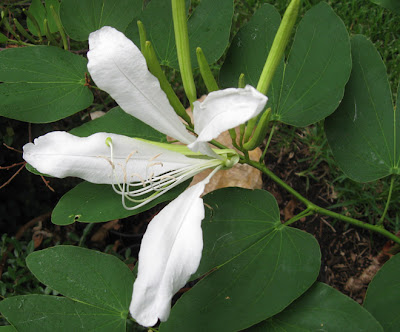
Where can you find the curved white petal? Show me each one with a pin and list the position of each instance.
(118, 67)
(170, 253)
(61, 154)
(225, 109)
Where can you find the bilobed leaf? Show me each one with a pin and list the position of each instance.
(85, 275)
(97, 287)
(317, 70)
(53, 313)
(119, 122)
(363, 131)
(40, 12)
(254, 265)
(321, 308)
(249, 50)
(81, 17)
(383, 295)
(208, 28)
(42, 84)
(393, 5)
(92, 203)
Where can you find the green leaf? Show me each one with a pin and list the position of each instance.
(3, 38)
(254, 265)
(85, 275)
(208, 28)
(383, 295)
(249, 50)
(119, 122)
(362, 132)
(98, 289)
(40, 13)
(42, 84)
(393, 5)
(53, 313)
(317, 70)
(93, 203)
(321, 308)
(81, 17)
(8, 328)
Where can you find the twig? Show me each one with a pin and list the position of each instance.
(15, 174)
(11, 148)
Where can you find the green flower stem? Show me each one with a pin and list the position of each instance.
(182, 48)
(382, 219)
(275, 55)
(260, 132)
(35, 23)
(241, 85)
(23, 32)
(49, 36)
(268, 142)
(317, 209)
(59, 27)
(142, 36)
(9, 28)
(156, 70)
(205, 71)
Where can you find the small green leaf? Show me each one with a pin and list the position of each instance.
(205, 31)
(42, 84)
(89, 202)
(383, 295)
(254, 265)
(317, 70)
(81, 17)
(53, 313)
(393, 5)
(321, 308)
(85, 275)
(119, 122)
(362, 132)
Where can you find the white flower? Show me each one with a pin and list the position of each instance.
(171, 248)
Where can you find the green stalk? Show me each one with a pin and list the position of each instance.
(260, 132)
(382, 219)
(142, 36)
(268, 142)
(205, 71)
(59, 27)
(35, 23)
(275, 55)
(241, 85)
(9, 28)
(182, 48)
(48, 34)
(156, 70)
(317, 209)
(23, 32)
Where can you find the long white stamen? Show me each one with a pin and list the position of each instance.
(140, 190)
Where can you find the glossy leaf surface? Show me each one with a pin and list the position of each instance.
(321, 308)
(81, 17)
(383, 295)
(363, 131)
(42, 84)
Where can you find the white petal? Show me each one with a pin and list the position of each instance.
(61, 154)
(118, 67)
(225, 109)
(170, 253)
